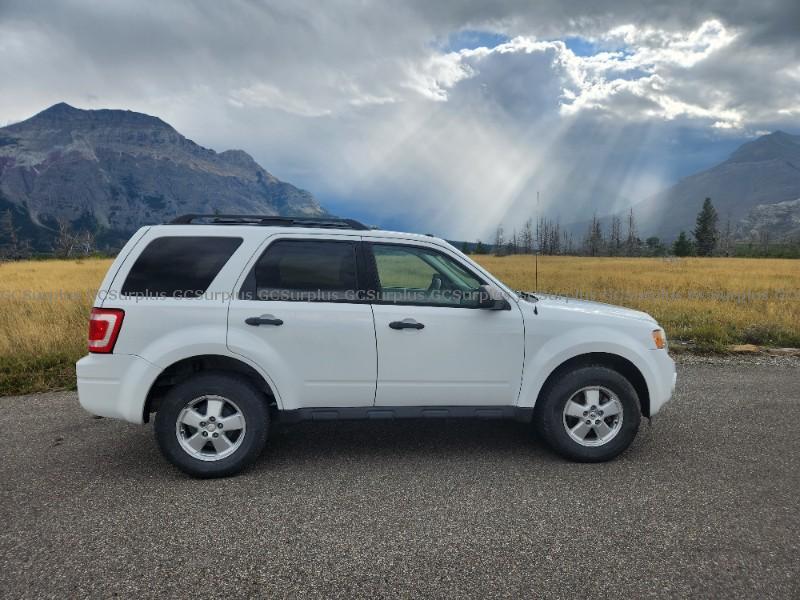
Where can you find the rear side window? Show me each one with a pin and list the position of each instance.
(179, 267)
(304, 270)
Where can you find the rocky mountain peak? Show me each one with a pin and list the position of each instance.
(63, 115)
(116, 170)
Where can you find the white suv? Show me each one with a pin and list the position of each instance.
(222, 324)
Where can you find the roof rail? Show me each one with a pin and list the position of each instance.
(272, 221)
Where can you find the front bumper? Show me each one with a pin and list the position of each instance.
(115, 385)
(665, 377)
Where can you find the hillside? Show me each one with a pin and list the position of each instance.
(112, 171)
(775, 223)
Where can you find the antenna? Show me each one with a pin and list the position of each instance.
(538, 243)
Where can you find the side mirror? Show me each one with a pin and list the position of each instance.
(490, 298)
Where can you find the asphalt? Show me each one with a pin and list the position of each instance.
(705, 503)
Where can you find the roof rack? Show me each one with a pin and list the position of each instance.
(272, 221)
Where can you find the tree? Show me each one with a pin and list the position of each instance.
(465, 247)
(705, 231)
(726, 243)
(763, 240)
(480, 248)
(632, 242)
(85, 242)
(566, 242)
(683, 246)
(9, 242)
(615, 237)
(655, 247)
(499, 241)
(593, 243)
(526, 238)
(513, 244)
(66, 242)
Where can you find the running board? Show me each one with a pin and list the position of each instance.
(368, 413)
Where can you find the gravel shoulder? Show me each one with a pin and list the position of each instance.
(704, 503)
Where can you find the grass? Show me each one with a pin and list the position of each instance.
(710, 303)
(44, 307)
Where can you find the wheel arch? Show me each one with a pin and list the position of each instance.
(613, 361)
(182, 369)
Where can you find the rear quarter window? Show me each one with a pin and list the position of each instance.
(179, 267)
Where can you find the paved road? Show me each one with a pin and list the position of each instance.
(706, 502)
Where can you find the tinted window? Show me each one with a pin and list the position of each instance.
(304, 270)
(179, 267)
(415, 275)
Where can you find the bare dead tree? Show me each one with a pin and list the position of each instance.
(615, 236)
(66, 241)
(632, 241)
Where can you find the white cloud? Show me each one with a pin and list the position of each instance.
(360, 104)
(266, 95)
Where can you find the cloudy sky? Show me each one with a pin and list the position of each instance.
(437, 116)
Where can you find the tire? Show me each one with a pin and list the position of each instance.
(605, 431)
(212, 425)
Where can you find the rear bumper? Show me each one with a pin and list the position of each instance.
(665, 378)
(115, 385)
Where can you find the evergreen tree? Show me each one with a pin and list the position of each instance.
(465, 247)
(480, 248)
(683, 246)
(11, 246)
(705, 231)
(8, 234)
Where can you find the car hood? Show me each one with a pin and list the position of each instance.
(591, 308)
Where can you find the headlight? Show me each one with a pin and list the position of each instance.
(660, 338)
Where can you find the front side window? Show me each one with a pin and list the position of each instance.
(416, 275)
(304, 270)
(179, 267)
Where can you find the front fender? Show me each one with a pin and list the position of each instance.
(542, 358)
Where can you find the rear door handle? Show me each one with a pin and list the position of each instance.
(406, 324)
(263, 320)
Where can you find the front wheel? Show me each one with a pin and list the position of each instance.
(212, 425)
(591, 414)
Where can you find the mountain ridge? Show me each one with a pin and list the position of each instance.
(763, 171)
(115, 170)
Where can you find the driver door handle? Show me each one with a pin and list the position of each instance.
(406, 324)
(263, 320)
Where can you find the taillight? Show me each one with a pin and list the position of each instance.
(104, 326)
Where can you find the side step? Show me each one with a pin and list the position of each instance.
(367, 413)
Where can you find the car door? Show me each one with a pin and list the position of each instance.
(298, 317)
(435, 346)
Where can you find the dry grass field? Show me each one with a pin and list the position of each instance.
(708, 302)
(44, 307)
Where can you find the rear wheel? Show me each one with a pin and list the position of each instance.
(591, 414)
(212, 425)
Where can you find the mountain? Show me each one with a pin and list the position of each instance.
(761, 172)
(112, 171)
